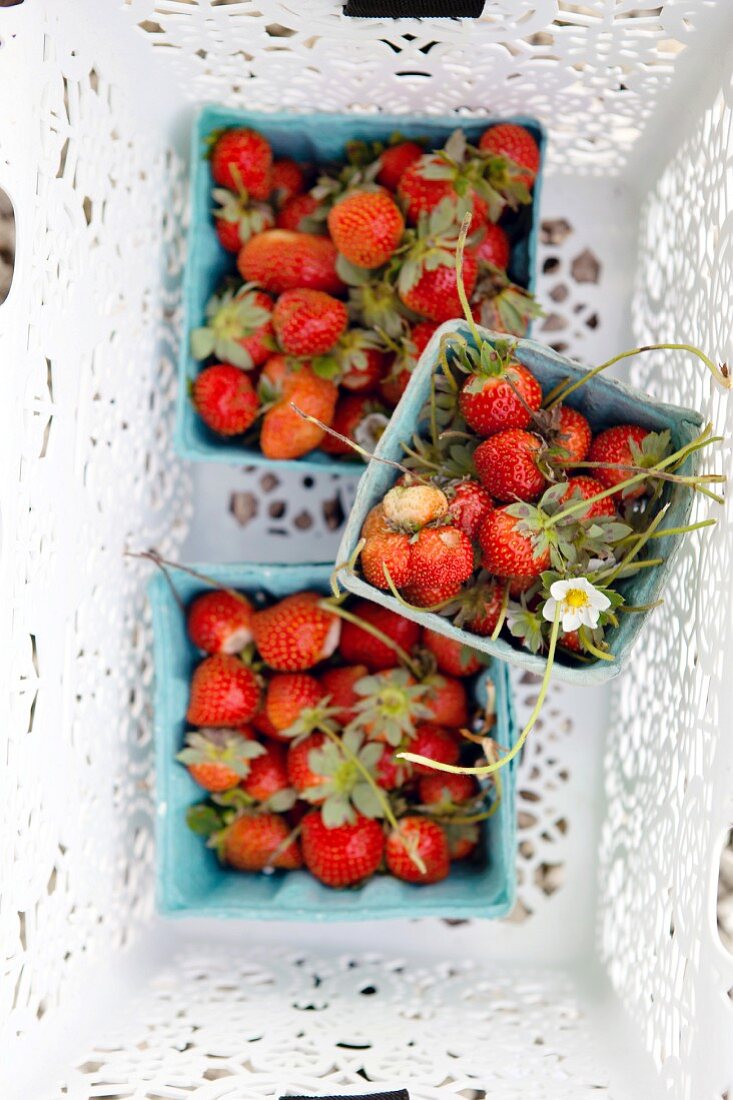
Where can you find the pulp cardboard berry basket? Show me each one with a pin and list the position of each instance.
(604, 402)
(612, 977)
(311, 139)
(191, 880)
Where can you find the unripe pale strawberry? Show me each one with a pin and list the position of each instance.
(410, 507)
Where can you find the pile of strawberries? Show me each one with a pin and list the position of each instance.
(512, 514)
(295, 716)
(342, 282)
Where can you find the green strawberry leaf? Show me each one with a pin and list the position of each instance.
(203, 819)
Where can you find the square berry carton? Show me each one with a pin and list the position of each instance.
(604, 402)
(311, 138)
(191, 882)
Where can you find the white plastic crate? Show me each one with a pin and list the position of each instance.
(611, 979)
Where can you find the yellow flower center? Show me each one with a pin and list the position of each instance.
(576, 597)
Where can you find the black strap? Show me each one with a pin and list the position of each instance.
(401, 1094)
(414, 9)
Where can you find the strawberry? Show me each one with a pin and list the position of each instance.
(507, 465)
(375, 523)
(225, 399)
(301, 775)
(420, 193)
(395, 161)
(287, 695)
(493, 247)
(366, 227)
(406, 360)
(343, 855)
(433, 291)
(279, 260)
(359, 646)
(238, 328)
(446, 790)
(338, 685)
(468, 506)
(441, 559)
(517, 145)
(262, 724)
(489, 403)
(361, 360)
(348, 420)
(220, 622)
(224, 693)
(518, 584)
(301, 214)
(428, 841)
(462, 840)
(480, 607)
(242, 159)
(308, 322)
(219, 759)
(436, 744)
(296, 633)
(236, 218)
(452, 657)
(446, 700)
(268, 775)
(285, 434)
(410, 507)
(287, 179)
(256, 841)
(386, 553)
(507, 552)
(588, 487)
(392, 773)
(627, 445)
(573, 434)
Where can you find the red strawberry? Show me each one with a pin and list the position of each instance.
(300, 214)
(279, 260)
(287, 695)
(256, 841)
(573, 434)
(242, 159)
(588, 487)
(446, 789)
(375, 523)
(468, 507)
(219, 759)
(626, 445)
(287, 179)
(392, 773)
(420, 195)
(507, 552)
(453, 657)
(237, 218)
(228, 234)
(366, 227)
(358, 646)
(395, 161)
(570, 640)
(338, 685)
(285, 434)
(441, 559)
(343, 855)
(262, 724)
(351, 412)
(462, 840)
(446, 701)
(391, 551)
(518, 585)
(225, 399)
(362, 364)
(224, 693)
(296, 633)
(516, 144)
(268, 773)
(481, 606)
(238, 328)
(436, 744)
(434, 293)
(428, 840)
(489, 404)
(507, 465)
(406, 360)
(308, 322)
(300, 774)
(494, 247)
(220, 622)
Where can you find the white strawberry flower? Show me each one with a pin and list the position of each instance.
(579, 602)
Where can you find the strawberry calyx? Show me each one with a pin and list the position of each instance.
(345, 790)
(231, 317)
(220, 746)
(374, 301)
(349, 354)
(390, 707)
(237, 208)
(241, 802)
(503, 306)
(431, 244)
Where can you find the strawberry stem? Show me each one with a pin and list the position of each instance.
(405, 603)
(502, 613)
(350, 617)
(634, 550)
(284, 844)
(720, 373)
(460, 285)
(164, 565)
(355, 446)
(633, 609)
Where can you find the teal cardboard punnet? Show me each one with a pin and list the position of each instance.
(604, 402)
(190, 880)
(309, 138)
